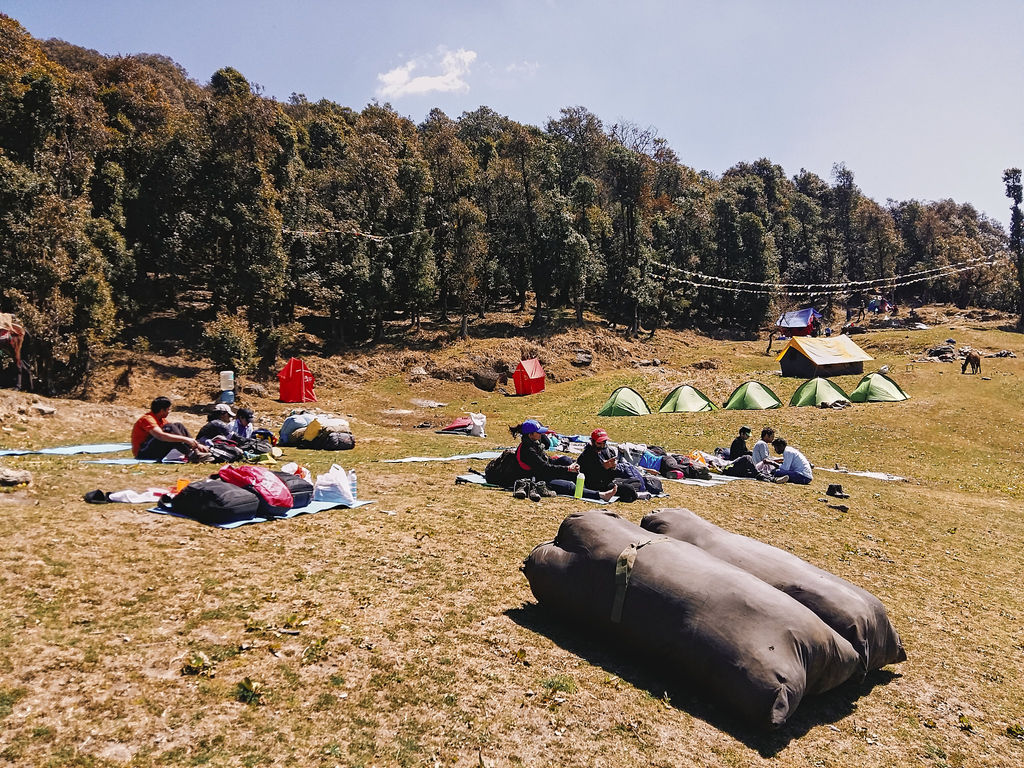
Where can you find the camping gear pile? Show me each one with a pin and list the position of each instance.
(754, 626)
(319, 432)
(472, 424)
(238, 493)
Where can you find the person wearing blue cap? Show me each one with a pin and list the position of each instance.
(557, 473)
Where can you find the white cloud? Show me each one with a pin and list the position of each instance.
(527, 68)
(453, 66)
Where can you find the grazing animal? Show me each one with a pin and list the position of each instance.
(972, 359)
(12, 337)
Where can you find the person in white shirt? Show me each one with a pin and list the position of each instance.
(794, 468)
(761, 455)
(242, 425)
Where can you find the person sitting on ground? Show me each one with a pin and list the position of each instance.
(218, 424)
(558, 473)
(761, 455)
(794, 468)
(153, 437)
(739, 445)
(599, 465)
(242, 425)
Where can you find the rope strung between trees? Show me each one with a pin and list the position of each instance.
(801, 291)
(354, 233)
(879, 282)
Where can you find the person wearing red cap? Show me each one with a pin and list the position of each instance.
(598, 465)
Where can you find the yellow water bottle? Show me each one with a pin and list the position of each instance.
(578, 493)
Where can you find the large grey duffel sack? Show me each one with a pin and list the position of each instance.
(727, 632)
(853, 612)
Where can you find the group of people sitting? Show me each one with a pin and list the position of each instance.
(791, 466)
(154, 437)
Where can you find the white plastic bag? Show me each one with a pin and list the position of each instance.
(477, 422)
(296, 469)
(333, 486)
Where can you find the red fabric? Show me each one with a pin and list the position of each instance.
(460, 423)
(262, 480)
(142, 428)
(528, 377)
(295, 383)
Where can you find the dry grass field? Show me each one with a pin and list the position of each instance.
(403, 633)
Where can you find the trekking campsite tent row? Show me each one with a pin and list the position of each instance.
(752, 396)
(835, 356)
(818, 392)
(624, 401)
(295, 383)
(878, 388)
(797, 323)
(686, 399)
(529, 377)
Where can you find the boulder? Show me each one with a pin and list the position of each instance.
(584, 357)
(15, 477)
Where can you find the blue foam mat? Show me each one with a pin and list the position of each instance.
(69, 450)
(311, 509)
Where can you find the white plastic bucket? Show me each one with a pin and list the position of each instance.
(227, 380)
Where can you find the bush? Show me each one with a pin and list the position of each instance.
(231, 344)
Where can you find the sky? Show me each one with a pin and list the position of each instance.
(921, 100)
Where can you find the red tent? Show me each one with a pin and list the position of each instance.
(529, 377)
(296, 383)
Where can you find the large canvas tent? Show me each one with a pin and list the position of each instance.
(878, 388)
(686, 399)
(624, 401)
(529, 377)
(818, 392)
(752, 396)
(800, 322)
(835, 356)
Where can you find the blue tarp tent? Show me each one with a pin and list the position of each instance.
(798, 322)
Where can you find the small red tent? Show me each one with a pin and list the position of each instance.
(529, 377)
(295, 382)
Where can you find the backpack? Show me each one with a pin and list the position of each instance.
(332, 441)
(216, 502)
(504, 470)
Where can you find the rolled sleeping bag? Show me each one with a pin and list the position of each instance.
(851, 611)
(754, 648)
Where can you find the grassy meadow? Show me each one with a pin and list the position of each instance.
(403, 633)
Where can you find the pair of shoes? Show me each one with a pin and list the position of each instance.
(542, 488)
(782, 479)
(521, 489)
(532, 490)
(836, 490)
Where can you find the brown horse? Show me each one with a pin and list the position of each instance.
(972, 359)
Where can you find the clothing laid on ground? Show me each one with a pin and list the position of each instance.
(795, 466)
(158, 449)
(738, 448)
(142, 428)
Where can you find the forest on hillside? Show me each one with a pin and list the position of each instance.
(128, 190)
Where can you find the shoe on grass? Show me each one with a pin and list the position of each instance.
(782, 479)
(519, 489)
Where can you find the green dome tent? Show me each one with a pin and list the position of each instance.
(686, 399)
(818, 392)
(624, 402)
(752, 396)
(878, 388)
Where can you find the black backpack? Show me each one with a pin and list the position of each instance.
(504, 470)
(216, 502)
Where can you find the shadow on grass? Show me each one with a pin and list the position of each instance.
(620, 660)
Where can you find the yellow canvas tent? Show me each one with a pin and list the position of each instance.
(834, 356)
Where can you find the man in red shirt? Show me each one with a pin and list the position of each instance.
(153, 437)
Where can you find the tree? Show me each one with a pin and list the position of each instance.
(1011, 178)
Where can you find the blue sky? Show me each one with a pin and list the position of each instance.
(920, 100)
